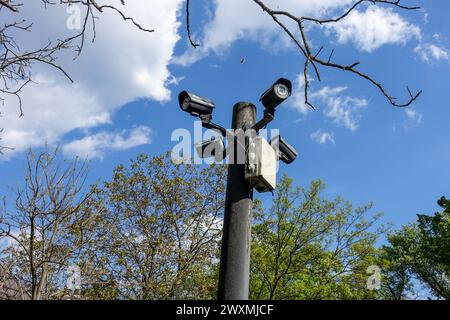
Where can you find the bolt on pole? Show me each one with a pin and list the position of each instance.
(236, 239)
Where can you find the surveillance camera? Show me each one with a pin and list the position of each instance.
(211, 148)
(195, 105)
(286, 152)
(276, 94)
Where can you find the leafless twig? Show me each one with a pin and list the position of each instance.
(314, 60)
(188, 25)
(16, 64)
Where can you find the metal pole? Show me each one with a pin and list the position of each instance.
(235, 254)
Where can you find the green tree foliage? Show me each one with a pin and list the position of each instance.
(435, 235)
(420, 251)
(396, 258)
(308, 247)
(153, 231)
(158, 232)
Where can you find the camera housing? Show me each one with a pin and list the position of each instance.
(286, 152)
(261, 165)
(276, 94)
(195, 105)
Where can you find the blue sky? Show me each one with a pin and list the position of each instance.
(363, 148)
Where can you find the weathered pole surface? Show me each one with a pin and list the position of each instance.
(235, 254)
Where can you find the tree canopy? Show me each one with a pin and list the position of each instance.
(420, 251)
(153, 231)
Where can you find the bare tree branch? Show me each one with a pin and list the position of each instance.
(314, 60)
(16, 64)
(9, 5)
(188, 25)
(43, 226)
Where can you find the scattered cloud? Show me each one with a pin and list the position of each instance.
(52, 109)
(432, 53)
(95, 146)
(374, 28)
(437, 36)
(368, 29)
(322, 137)
(127, 64)
(342, 109)
(425, 17)
(224, 29)
(120, 67)
(413, 119)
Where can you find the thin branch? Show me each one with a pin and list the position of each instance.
(16, 65)
(304, 45)
(9, 5)
(188, 26)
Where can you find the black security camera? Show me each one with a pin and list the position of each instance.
(286, 152)
(195, 105)
(276, 94)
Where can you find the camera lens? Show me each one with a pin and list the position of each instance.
(186, 103)
(281, 91)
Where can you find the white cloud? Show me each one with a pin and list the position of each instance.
(51, 110)
(123, 64)
(437, 36)
(432, 53)
(369, 29)
(95, 146)
(343, 110)
(413, 119)
(322, 137)
(235, 20)
(374, 28)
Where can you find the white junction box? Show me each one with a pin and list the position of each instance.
(261, 165)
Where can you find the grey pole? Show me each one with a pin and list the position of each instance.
(235, 254)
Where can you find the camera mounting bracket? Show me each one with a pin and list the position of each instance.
(269, 115)
(206, 123)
